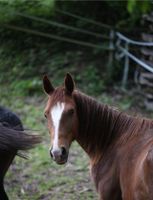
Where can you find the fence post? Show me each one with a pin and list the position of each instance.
(111, 53)
(126, 67)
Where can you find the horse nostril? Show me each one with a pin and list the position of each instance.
(64, 152)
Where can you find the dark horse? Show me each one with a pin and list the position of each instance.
(120, 146)
(12, 139)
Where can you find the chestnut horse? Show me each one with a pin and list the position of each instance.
(12, 139)
(120, 147)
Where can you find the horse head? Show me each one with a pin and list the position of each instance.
(61, 116)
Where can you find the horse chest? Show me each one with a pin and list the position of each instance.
(106, 181)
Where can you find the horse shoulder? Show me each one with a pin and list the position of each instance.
(144, 175)
(148, 170)
(106, 178)
(132, 171)
(149, 157)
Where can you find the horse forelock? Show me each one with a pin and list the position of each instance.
(58, 95)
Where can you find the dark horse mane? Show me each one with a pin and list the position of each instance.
(94, 116)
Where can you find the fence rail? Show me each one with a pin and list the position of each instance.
(137, 60)
(52, 36)
(61, 25)
(125, 39)
(124, 52)
(91, 21)
(104, 47)
(122, 46)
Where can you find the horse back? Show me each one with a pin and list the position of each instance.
(10, 119)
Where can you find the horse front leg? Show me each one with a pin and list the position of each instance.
(3, 195)
(5, 161)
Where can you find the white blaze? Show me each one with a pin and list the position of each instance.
(56, 114)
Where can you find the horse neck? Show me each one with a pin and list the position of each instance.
(99, 125)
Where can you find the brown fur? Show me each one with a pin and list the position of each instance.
(119, 146)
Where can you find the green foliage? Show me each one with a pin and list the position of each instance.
(36, 7)
(27, 87)
(120, 100)
(26, 68)
(90, 80)
(136, 6)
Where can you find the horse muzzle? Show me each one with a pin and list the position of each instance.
(60, 155)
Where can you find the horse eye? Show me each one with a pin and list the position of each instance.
(71, 111)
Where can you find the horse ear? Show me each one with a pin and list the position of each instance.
(47, 85)
(69, 84)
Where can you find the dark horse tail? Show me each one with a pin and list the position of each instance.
(12, 134)
(13, 139)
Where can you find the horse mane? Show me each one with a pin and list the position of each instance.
(100, 125)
